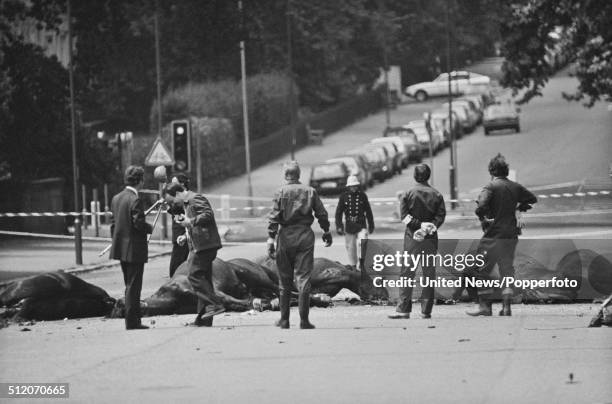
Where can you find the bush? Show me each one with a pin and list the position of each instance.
(267, 103)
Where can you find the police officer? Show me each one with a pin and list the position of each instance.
(423, 211)
(289, 223)
(355, 206)
(498, 204)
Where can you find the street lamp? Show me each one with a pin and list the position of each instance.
(453, 150)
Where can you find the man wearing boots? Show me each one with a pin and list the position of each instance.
(199, 222)
(422, 210)
(289, 223)
(498, 204)
(354, 205)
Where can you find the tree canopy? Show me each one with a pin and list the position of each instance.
(537, 32)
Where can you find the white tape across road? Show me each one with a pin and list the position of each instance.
(328, 204)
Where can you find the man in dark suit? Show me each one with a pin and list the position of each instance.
(423, 211)
(199, 221)
(129, 231)
(179, 252)
(498, 204)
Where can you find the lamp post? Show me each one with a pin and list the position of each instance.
(245, 108)
(292, 114)
(78, 240)
(453, 150)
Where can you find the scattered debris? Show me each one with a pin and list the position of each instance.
(78, 328)
(464, 340)
(25, 329)
(431, 326)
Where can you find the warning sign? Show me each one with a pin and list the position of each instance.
(159, 155)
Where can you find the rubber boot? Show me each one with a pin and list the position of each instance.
(485, 308)
(426, 307)
(506, 306)
(304, 308)
(285, 307)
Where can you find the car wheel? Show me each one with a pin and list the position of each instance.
(421, 96)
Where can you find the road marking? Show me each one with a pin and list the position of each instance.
(571, 235)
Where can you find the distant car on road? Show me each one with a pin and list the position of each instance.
(439, 118)
(461, 82)
(403, 150)
(501, 116)
(329, 178)
(409, 138)
(467, 120)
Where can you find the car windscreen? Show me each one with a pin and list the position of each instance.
(350, 163)
(498, 111)
(327, 171)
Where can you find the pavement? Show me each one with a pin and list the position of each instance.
(356, 354)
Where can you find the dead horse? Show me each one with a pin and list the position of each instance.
(54, 296)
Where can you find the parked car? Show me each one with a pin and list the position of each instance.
(387, 157)
(473, 105)
(329, 178)
(357, 166)
(466, 120)
(423, 135)
(461, 81)
(394, 155)
(377, 161)
(439, 118)
(501, 116)
(403, 150)
(409, 138)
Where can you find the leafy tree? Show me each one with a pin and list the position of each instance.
(537, 30)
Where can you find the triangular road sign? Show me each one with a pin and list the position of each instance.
(159, 155)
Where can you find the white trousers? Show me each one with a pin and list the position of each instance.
(352, 243)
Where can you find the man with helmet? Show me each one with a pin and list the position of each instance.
(498, 204)
(354, 205)
(422, 210)
(289, 225)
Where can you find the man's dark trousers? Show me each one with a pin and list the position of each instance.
(179, 255)
(132, 276)
(200, 276)
(426, 247)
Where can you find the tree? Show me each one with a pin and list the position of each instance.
(535, 32)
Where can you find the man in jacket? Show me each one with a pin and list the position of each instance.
(129, 231)
(498, 204)
(289, 223)
(179, 252)
(422, 210)
(355, 206)
(199, 221)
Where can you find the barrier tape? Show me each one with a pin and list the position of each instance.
(379, 202)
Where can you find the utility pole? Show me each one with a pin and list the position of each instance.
(292, 106)
(245, 108)
(453, 150)
(383, 28)
(158, 70)
(78, 239)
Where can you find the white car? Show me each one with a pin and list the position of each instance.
(461, 82)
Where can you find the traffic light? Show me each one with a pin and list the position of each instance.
(181, 145)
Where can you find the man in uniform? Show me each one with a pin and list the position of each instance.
(355, 206)
(422, 210)
(199, 221)
(129, 231)
(498, 204)
(290, 220)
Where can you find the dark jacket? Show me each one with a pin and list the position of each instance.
(356, 207)
(424, 204)
(294, 204)
(497, 205)
(204, 233)
(129, 228)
